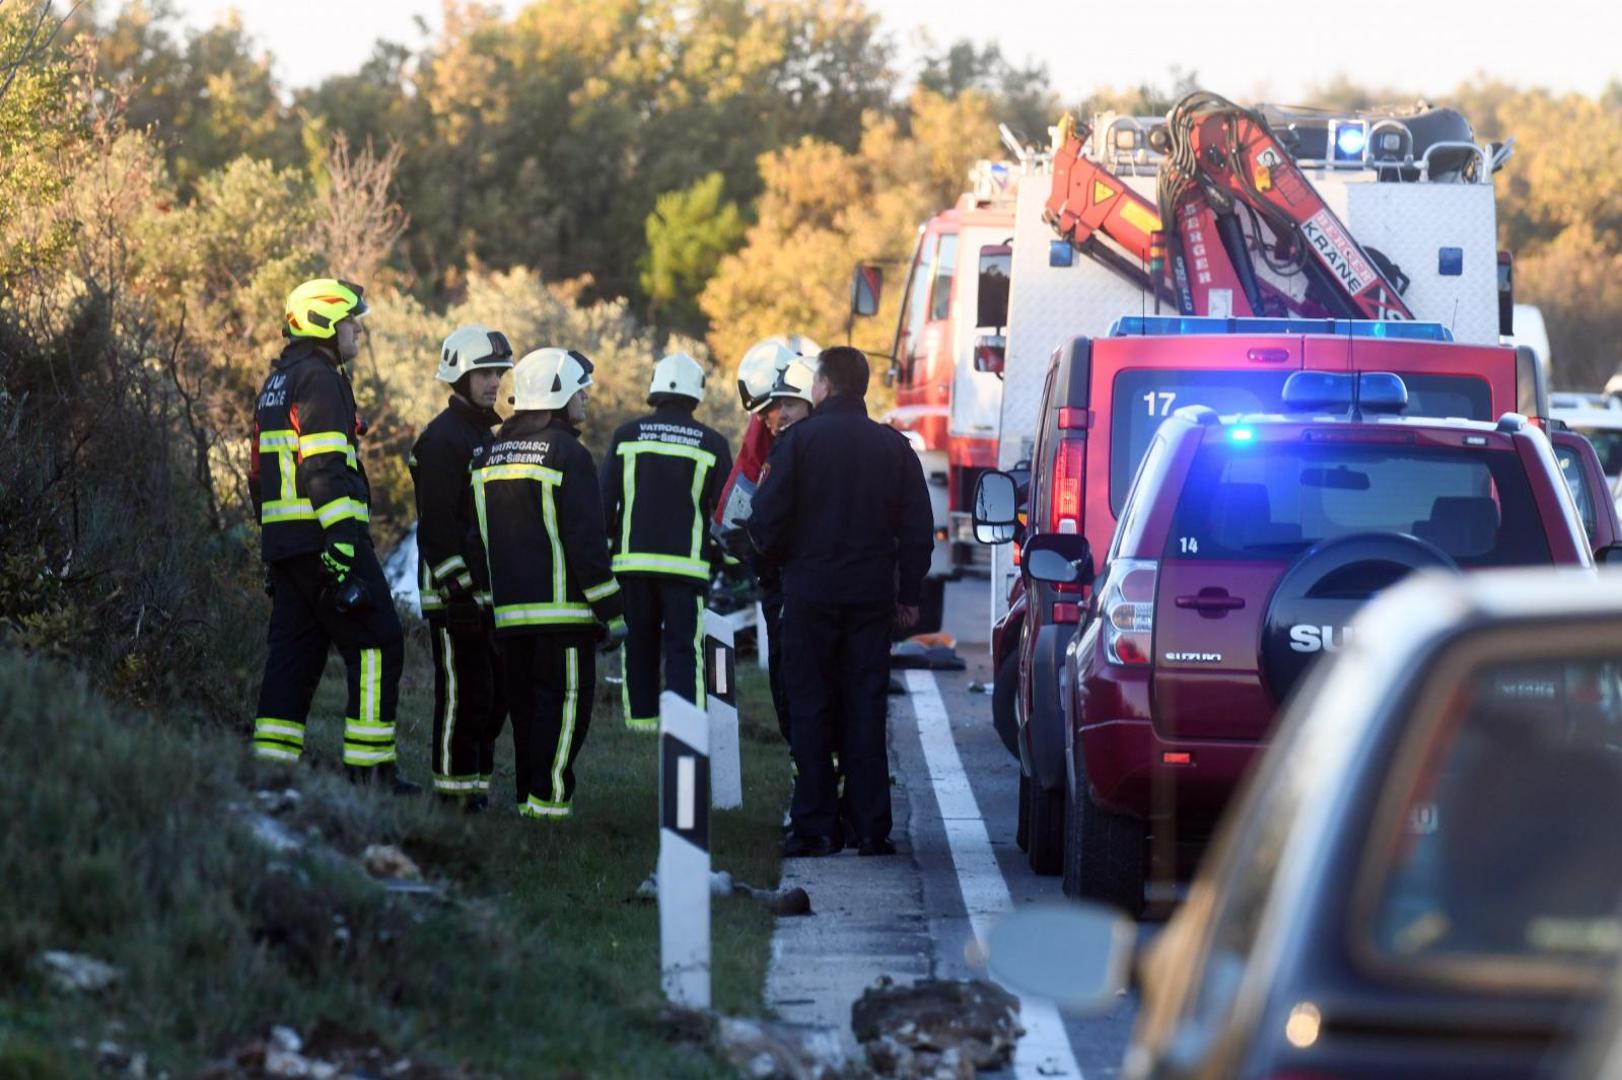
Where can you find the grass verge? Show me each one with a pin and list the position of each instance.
(127, 837)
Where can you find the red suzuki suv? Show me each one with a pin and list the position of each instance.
(1242, 550)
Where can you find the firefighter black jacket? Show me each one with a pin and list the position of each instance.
(661, 478)
(842, 507)
(447, 534)
(306, 477)
(541, 522)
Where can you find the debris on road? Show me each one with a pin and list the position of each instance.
(330, 1053)
(77, 973)
(792, 901)
(936, 1028)
(762, 1049)
(388, 861)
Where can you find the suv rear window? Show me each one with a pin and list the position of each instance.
(1143, 397)
(1269, 500)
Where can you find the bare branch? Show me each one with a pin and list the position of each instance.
(358, 221)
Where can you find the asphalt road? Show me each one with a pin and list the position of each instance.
(955, 797)
(1097, 1043)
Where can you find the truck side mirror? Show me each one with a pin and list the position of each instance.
(866, 285)
(990, 353)
(1058, 558)
(996, 508)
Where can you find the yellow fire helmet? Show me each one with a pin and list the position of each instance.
(316, 307)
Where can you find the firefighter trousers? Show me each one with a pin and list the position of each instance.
(837, 671)
(551, 680)
(664, 618)
(470, 708)
(304, 625)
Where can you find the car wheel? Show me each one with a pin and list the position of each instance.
(1045, 830)
(1022, 834)
(1003, 688)
(1105, 857)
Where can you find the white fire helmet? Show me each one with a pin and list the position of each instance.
(471, 347)
(794, 381)
(757, 371)
(548, 378)
(678, 374)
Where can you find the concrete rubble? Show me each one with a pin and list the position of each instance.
(936, 1029)
(77, 973)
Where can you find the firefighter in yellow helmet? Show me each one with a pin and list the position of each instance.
(661, 479)
(327, 588)
(554, 595)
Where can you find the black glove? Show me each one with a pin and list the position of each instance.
(612, 635)
(338, 560)
(464, 616)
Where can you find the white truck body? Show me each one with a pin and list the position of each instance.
(1411, 223)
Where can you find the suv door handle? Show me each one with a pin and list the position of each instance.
(1211, 601)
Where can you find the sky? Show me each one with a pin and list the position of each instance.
(1250, 50)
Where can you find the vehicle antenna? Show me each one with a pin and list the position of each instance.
(1454, 324)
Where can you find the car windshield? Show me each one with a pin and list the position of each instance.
(1267, 500)
(1571, 467)
(1498, 843)
(1607, 444)
(1143, 397)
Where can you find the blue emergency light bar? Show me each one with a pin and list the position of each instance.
(1178, 325)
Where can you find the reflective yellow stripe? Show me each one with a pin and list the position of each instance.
(701, 683)
(514, 471)
(549, 517)
(644, 446)
(342, 509)
(571, 700)
(628, 500)
(286, 510)
(454, 784)
(448, 720)
(444, 570)
(271, 442)
(264, 725)
(540, 808)
(607, 588)
(323, 442)
(661, 564)
(275, 753)
(543, 615)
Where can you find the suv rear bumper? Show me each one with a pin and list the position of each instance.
(1128, 771)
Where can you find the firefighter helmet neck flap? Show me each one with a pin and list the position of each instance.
(678, 374)
(548, 378)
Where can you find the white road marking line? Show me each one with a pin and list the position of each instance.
(1044, 1051)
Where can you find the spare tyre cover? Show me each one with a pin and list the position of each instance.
(1323, 588)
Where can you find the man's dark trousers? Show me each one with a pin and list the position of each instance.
(470, 707)
(837, 667)
(304, 624)
(662, 620)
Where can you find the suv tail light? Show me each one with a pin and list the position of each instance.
(1064, 514)
(1126, 603)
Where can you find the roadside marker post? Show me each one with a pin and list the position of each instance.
(720, 678)
(684, 851)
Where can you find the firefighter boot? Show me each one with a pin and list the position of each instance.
(385, 774)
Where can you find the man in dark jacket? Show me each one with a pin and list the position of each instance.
(326, 585)
(469, 702)
(553, 593)
(842, 506)
(661, 478)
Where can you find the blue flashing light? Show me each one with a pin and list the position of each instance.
(1183, 325)
(1060, 253)
(1351, 137)
(1242, 434)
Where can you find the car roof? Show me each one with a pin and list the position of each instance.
(1194, 415)
(1603, 419)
